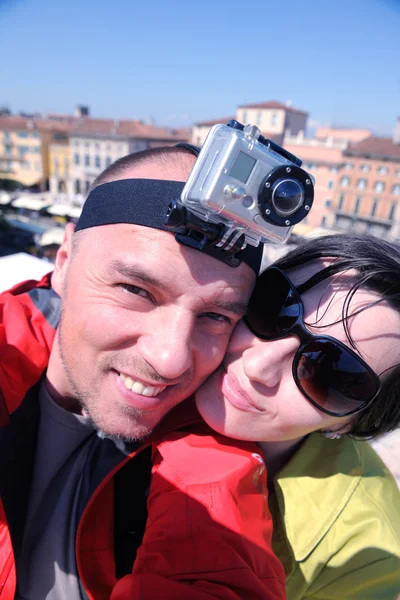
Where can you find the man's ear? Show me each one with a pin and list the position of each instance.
(63, 259)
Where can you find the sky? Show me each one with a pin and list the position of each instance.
(181, 61)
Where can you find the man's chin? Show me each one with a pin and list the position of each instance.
(126, 429)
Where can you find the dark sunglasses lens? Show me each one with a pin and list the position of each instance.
(274, 307)
(333, 378)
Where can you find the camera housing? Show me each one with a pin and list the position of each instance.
(249, 184)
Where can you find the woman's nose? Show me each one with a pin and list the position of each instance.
(267, 362)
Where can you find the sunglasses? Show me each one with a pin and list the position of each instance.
(329, 374)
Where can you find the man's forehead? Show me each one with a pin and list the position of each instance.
(159, 249)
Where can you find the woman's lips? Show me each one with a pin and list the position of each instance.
(235, 395)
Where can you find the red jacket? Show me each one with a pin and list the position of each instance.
(205, 505)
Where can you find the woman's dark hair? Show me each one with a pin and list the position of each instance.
(377, 267)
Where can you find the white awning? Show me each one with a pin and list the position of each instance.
(30, 202)
(4, 198)
(75, 212)
(60, 210)
(52, 236)
(19, 267)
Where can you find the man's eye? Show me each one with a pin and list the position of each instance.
(216, 317)
(136, 290)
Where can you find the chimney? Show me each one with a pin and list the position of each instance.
(81, 111)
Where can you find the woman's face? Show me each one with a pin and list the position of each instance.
(253, 396)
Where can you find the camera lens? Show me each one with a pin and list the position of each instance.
(287, 196)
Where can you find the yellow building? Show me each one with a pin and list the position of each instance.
(24, 149)
(59, 166)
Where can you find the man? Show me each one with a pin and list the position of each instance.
(144, 321)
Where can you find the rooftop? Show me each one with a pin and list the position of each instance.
(274, 105)
(97, 127)
(375, 147)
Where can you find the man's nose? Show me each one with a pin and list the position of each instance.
(167, 345)
(266, 362)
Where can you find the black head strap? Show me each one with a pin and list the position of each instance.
(145, 202)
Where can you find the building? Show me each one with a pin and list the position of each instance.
(24, 149)
(274, 119)
(96, 143)
(338, 135)
(59, 166)
(322, 156)
(367, 196)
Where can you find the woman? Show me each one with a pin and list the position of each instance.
(315, 367)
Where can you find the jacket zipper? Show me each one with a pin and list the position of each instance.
(89, 504)
(97, 491)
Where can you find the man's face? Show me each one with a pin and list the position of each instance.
(144, 322)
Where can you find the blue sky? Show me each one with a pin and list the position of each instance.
(180, 61)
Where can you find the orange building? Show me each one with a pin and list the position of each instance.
(322, 156)
(367, 197)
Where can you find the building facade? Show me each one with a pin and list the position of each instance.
(24, 149)
(97, 143)
(274, 119)
(322, 156)
(368, 192)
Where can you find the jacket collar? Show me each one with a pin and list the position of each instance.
(314, 487)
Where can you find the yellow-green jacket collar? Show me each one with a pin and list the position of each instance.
(321, 477)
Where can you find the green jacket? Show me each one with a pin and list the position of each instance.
(337, 522)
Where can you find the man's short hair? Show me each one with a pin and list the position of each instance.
(165, 155)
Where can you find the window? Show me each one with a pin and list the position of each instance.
(357, 205)
(36, 149)
(76, 158)
(330, 184)
(374, 207)
(361, 184)
(398, 173)
(392, 211)
(108, 161)
(259, 117)
(97, 146)
(76, 143)
(328, 203)
(77, 186)
(382, 170)
(396, 189)
(379, 186)
(7, 136)
(348, 166)
(87, 186)
(26, 165)
(66, 163)
(345, 181)
(333, 169)
(87, 160)
(97, 161)
(23, 134)
(35, 134)
(23, 150)
(274, 118)
(7, 148)
(341, 201)
(365, 168)
(323, 221)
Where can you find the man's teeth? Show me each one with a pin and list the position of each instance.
(140, 388)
